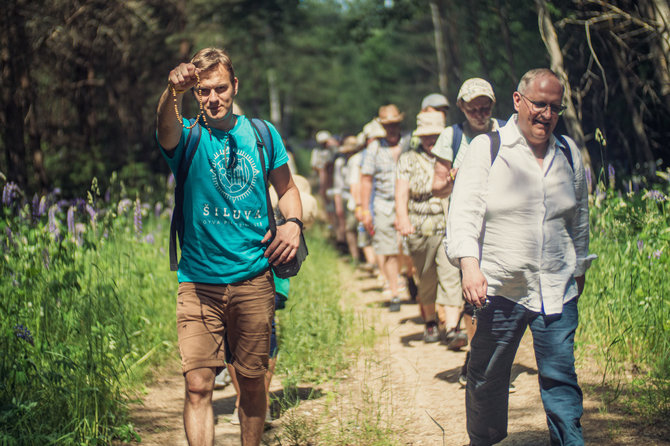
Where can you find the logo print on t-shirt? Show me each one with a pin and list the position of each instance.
(234, 184)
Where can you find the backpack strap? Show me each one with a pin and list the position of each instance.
(495, 145)
(263, 135)
(177, 221)
(456, 139)
(501, 122)
(565, 148)
(262, 129)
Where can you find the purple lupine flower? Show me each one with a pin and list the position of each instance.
(70, 219)
(42, 208)
(10, 240)
(123, 205)
(640, 245)
(79, 230)
(108, 195)
(91, 213)
(149, 239)
(35, 207)
(170, 181)
(53, 228)
(158, 208)
(655, 195)
(610, 175)
(657, 254)
(9, 192)
(22, 332)
(138, 217)
(56, 191)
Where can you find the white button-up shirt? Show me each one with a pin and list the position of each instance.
(528, 225)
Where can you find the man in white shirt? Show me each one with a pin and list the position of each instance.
(518, 228)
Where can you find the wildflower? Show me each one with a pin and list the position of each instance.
(79, 229)
(70, 219)
(22, 332)
(138, 217)
(9, 192)
(655, 195)
(610, 175)
(158, 208)
(149, 239)
(53, 228)
(123, 205)
(42, 208)
(91, 213)
(589, 179)
(657, 254)
(640, 245)
(35, 207)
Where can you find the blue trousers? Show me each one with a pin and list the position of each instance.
(500, 327)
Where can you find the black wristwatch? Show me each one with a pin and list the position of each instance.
(296, 221)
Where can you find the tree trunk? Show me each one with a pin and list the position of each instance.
(477, 35)
(439, 48)
(550, 39)
(275, 107)
(15, 82)
(660, 48)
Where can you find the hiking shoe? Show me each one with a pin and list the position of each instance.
(394, 306)
(431, 334)
(235, 417)
(459, 340)
(512, 388)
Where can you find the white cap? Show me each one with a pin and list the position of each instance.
(322, 136)
(475, 87)
(435, 100)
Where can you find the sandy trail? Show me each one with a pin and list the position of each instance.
(409, 384)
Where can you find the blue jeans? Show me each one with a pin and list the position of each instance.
(500, 327)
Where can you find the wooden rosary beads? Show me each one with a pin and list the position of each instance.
(201, 112)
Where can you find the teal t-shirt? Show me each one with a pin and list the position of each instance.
(225, 207)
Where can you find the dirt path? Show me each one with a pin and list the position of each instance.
(405, 382)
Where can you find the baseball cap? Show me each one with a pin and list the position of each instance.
(475, 87)
(435, 100)
(322, 136)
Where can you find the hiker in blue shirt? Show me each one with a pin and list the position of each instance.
(226, 290)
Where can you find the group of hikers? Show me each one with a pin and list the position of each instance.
(484, 220)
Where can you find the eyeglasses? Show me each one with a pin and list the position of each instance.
(541, 107)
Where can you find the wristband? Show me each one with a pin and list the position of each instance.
(296, 221)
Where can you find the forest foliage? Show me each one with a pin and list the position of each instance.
(80, 79)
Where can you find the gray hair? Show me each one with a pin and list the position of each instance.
(533, 74)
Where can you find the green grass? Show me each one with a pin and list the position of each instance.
(625, 309)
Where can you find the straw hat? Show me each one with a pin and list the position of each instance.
(349, 145)
(374, 129)
(389, 114)
(475, 87)
(429, 123)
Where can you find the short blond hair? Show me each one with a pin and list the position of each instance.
(209, 58)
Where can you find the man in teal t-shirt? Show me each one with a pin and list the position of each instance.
(226, 290)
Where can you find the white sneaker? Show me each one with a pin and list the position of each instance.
(235, 417)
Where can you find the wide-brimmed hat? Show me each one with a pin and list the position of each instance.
(374, 129)
(475, 87)
(322, 136)
(389, 114)
(429, 123)
(349, 145)
(435, 100)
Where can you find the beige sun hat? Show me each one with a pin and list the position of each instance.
(374, 129)
(435, 100)
(389, 114)
(475, 87)
(429, 123)
(349, 145)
